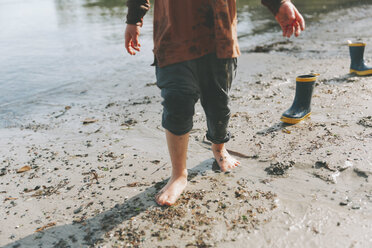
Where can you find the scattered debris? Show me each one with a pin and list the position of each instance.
(159, 168)
(10, 198)
(276, 46)
(79, 220)
(109, 105)
(151, 84)
(284, 130)
(24, 169)
(45, 227)
(345, 202)
(355, 207)
(47, 191)
(137, 184)
(64, 111)
(2, 172)
(93, 176)
(78, 210)
(89, 121)
(279, 168)
(366, 121)
(129, 123)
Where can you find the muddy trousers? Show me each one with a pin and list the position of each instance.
(207, 78)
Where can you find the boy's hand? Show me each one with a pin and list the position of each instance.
(131, 38)
(290, 19)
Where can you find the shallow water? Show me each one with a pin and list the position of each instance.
(55, 53)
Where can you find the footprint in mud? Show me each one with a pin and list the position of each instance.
(329, 172)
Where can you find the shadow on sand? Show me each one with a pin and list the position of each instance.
(91, 231)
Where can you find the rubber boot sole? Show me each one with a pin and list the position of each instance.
(361, 73)
(289, 120)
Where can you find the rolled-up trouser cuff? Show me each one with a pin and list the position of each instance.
(219, 141)
(178, 111)
(217, 128)
(176, 127)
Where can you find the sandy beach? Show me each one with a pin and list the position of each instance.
(85, 176)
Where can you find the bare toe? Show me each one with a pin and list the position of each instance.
(223, 158)
(172, 191)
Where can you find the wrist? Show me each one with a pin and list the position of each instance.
(274, 5)
(138, 24)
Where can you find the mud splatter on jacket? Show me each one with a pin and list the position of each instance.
(189, 29)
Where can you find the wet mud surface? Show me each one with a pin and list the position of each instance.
(86, 176)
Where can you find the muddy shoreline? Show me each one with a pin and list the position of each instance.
(90, 171)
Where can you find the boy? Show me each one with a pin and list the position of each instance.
(195, 48)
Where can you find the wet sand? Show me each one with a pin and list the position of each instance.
(92, 170)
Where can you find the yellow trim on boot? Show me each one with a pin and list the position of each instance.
(362, 73)
(357, 44)
(293, 120)
(309, 79)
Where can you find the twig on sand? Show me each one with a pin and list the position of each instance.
(159, 168)
(64, 112)
(45, 227)
(234, 153)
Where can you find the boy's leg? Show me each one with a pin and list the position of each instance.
(177, 146)
(215, 84)
(180, 93)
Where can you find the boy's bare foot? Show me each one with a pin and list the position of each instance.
(223, 158)
(172, 190)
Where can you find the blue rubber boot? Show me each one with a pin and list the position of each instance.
(357, 65)
(300, 108)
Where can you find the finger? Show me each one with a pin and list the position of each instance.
(136, 45)
(293, 28)
(127, 43)
(133, 47)
(300, 20)
(129, 48)
(135, 40)
(291, 31)
(288, 31)
(284, 29)
(297, 29)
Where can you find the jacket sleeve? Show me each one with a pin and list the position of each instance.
(273, 5)
(136, 11)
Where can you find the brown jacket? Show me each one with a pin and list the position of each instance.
(189, 29)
